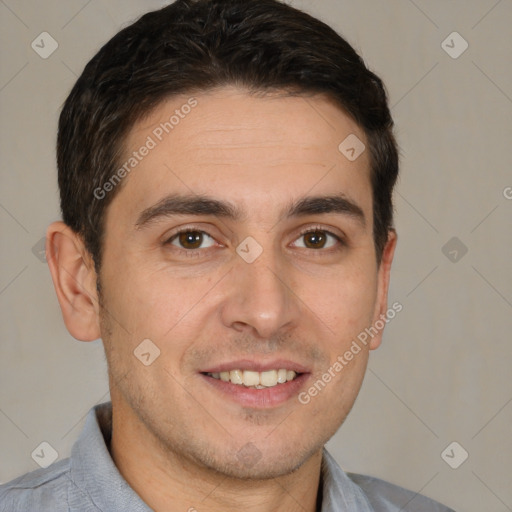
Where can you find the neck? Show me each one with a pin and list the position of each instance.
(167, 481)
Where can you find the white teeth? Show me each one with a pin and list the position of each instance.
(251, 378)
(281, 376)
(258, 380)
(236, 377)
(269, 378)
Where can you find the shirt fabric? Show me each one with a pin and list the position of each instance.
(88, 481)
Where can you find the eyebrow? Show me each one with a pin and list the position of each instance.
(176, 204)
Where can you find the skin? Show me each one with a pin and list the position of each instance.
(176, 439)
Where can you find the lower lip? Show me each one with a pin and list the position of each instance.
(259, 398)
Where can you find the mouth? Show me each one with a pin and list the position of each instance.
(255, 380)
(256, 385)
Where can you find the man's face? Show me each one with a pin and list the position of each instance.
(211, 302)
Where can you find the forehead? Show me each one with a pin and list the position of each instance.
(256, 150)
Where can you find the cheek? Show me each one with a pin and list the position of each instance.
(332, 392)
(155, 301)
(345, 301)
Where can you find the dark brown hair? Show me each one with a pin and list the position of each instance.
(198, 45)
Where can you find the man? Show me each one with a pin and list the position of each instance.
(226, 170)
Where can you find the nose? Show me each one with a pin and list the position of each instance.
(260, 298)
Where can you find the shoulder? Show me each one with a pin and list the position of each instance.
(383, 495)
(42, 489)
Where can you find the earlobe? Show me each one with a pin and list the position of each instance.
(381, 306)
(74, 279)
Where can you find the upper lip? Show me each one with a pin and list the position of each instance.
(257, 366)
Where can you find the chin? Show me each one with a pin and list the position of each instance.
(251, 463)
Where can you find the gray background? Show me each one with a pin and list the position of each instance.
(443, 372)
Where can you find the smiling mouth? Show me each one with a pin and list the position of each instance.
(256, 380)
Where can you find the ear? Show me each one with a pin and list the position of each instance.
(381, 304)
(74, 279)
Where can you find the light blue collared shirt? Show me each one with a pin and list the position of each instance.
(88, 481)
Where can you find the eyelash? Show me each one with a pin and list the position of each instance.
(198, 252)
(317, 229)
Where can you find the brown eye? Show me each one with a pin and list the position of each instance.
(191, 240)
(318, 239)
(315, 239)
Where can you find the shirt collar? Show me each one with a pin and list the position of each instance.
(97, 478)
(93, 471)
(339, 492)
